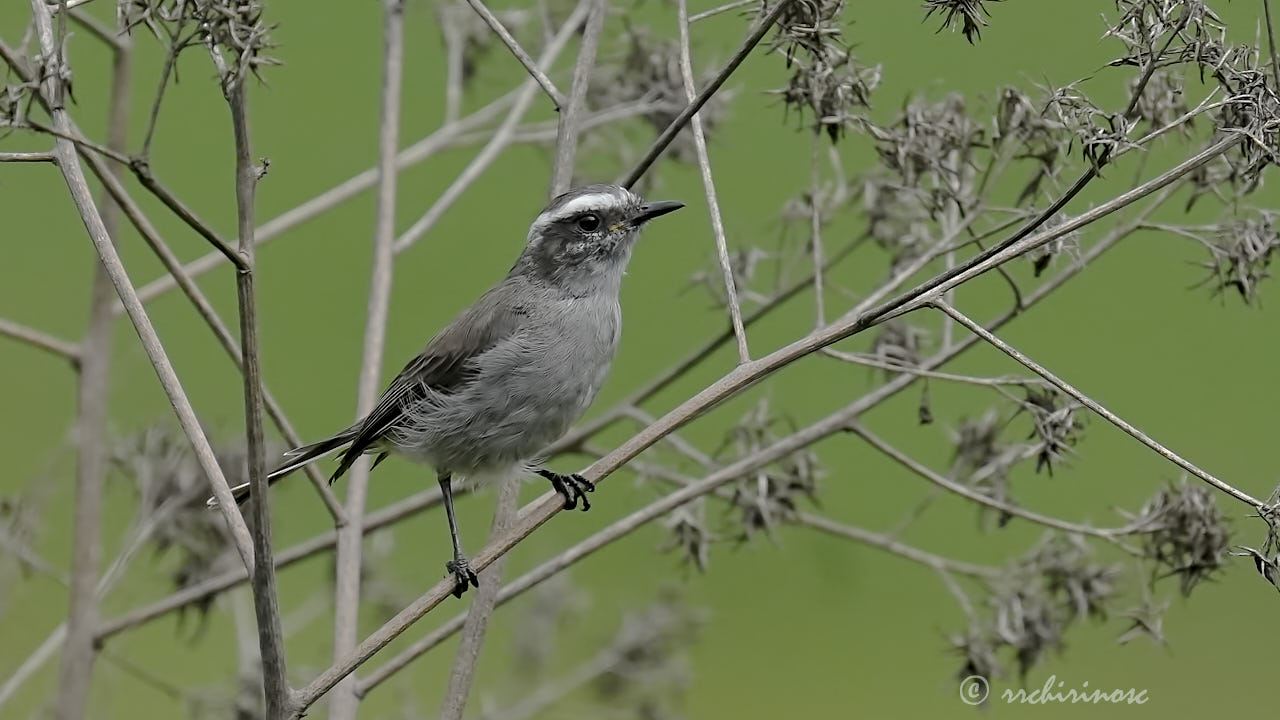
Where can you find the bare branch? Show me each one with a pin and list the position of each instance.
(266, 601)
(346, 597)
(69, 164)
(342, 192)
(1109, 534)
(377, 520)
(501, 138)
(206, 311)
(722, 9)
(91, 423)
(142, 171)
(1093, 405)
(529, 65)
(569, 125)
(713, 202)
(27, 157)
(41, 340)
(664, 139)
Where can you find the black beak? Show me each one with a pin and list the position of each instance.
(649, 211)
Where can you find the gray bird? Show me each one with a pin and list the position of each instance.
(512, 372)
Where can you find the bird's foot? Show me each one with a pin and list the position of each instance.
(463, 574)
(573, 487)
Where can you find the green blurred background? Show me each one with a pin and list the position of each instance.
(805, 625)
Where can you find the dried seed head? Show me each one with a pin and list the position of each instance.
(232, 30)
(773, 493)
(649, 654)
(1184, 533)
(1056, 427)
(1240, 255)
(832, 89)
(690, 535)
(1043, 256)
(966, 14)
(1162, 101)
(172, 489)
(649, 72)
(899, 343)
(807, 28)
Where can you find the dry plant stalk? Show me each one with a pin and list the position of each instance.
(930, 202)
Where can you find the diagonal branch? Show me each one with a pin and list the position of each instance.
(1097, 407)
(78, 652)
(78, 186)
(666, 136)
(529, 65)
(41, 340)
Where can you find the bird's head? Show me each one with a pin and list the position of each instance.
(583, 239)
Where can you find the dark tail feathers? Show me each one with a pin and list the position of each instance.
(294, 459)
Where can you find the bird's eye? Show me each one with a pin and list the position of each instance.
(588, 222)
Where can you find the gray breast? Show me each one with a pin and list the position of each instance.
(526, 392)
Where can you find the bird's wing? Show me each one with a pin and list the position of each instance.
(442, 367)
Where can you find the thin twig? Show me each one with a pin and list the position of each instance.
(142, 171)
(336, 195)
(202, 592)
(78, 186)
(41, 340)
(664, 139)
(1109, 534)
(722, 9)
(709, 186)
(570, 116)
(529, 65)
(501, 138)
(346, 589)
(78, 651)
(207, 312)
(1097, 407)
(27, 157)
(266, 601)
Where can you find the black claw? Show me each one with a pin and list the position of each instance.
(573, 487)
(463, 574)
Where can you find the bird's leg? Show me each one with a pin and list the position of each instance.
(572, 487)
(459, 566)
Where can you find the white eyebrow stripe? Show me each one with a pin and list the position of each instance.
(579, 204)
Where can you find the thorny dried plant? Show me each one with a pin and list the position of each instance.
(232, 30)
(647, 70)
(1032, 604)
(967, 14)
(171, 490)
(649, 668)
(1184, 534)
(949, 168)
(772, 494)
(1240, 253)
